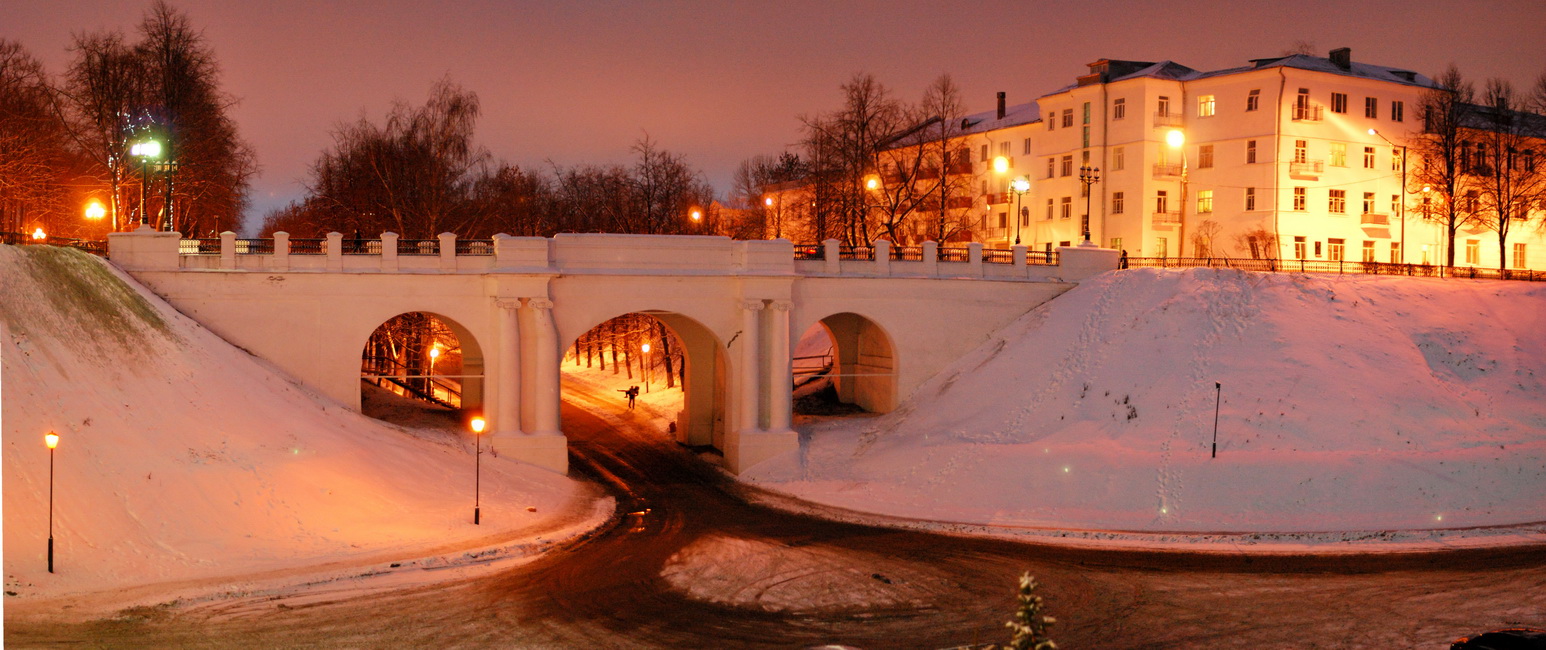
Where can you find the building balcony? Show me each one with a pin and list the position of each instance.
(958, 202)
(1168, 170)
(1374, 219)
(1308, 113)
(959, 167)
(997, 198)
(1167, 120)
(1166, 219)
(1311, 169)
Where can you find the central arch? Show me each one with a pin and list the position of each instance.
(701, 420)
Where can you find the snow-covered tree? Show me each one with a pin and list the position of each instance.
(1030, 624)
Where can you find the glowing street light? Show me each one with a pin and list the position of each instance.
(95, 211)
(1019, 186)
(477, 477)
(52, 440)
(647, 365)
(767, 201)
(1088, 176)
(1000, 165)
(872, 183)
(38, 235)
(434, 353)
(145, 151)
(1176, 138)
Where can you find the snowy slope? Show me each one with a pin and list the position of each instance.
(183, 457)
(1349, 403)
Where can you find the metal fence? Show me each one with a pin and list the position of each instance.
(93, 246)
(418, 247)
(1343, 267)
(474, 247)
(303, 246)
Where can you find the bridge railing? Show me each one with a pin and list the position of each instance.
(659, 254)
(1342, 267)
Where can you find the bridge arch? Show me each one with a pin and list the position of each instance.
(702, 418)
(864, 361)
(418, 370)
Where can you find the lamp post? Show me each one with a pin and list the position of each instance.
(1000, 167)
(52, 440)
(38, 236)
(95, 211)
(145, 151)
(1019, 186)
(477, 469)
(1177, 140)
(646, 349)
(1089, 176)
(434, 354)
(1403, 190)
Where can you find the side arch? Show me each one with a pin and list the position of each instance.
(472, 377)
(864, 364)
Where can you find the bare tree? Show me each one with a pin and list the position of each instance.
(1203, 239)
(917, 169)
(762, 215)
(665, 189)
(105, 94)
(34, 160)
(842, 148)
(1446, 112)
(1509, 179)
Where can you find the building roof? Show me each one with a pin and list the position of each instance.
(1017, 115)
(1113, 70)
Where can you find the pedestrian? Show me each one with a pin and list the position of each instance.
(633, 394)
(1122, 264)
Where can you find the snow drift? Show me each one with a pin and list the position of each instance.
(183, 457)
(1348, 403)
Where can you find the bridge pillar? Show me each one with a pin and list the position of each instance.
(228, 250)
(545, 445)
(507, 370)
(748, 415)
(780, 374)
(748, 444)
(281, 261)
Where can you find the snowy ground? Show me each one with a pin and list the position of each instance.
(187, 465)
(1389, 407)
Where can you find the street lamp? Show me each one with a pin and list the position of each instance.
(1089, 176)
(52, 440)
(434, 354)
(1403, 190)
(145, 151)
(477, 468)
(95, 211)
(1019, 186)
(38, 235)
(647, 368)
(1177, 140)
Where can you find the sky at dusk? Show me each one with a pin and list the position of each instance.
(579, 82)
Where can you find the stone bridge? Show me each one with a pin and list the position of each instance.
(896, 316)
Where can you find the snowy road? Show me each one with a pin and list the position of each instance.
(695, 566)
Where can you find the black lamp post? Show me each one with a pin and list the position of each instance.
(52, 440)
(477, 476)
(1019, 186)
(1089, 176)
(145, 151)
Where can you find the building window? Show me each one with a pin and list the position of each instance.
(1205, 106)
(1049, 209)
(1395, 252)
(1371, 109)
(1118, 159)
(1302, 103)
(1068, 165)
(1066, 207)
(1118, 109)
(1368, 202)
(1161, 202)
(1397, 112)
(1161, 247)
(1115, 243)
(1253, 100)
(1338, 204)
(1052, 122)
(1299, 248)
(1299, 199)
(1339, 102)
(1317, 249)
(1395, 204)
(1163, 108)
(1086, 139)
(1301, 150)
(1003, 149)
(1368, 250)
(984, 188)
(1520, 259)
(1086, 112)
(1334, 249)
(1395, 160)
(1051, 166)
(1368, 157)
(985, 153)
(1204, 201)
(1204, 156)
(1068, 117)
(1250, 151)
(1118, 203)
(1338, 154)
(1025, 147)
(1473, 251)
(1250, 199)
(1003, 220)
(1084, 157)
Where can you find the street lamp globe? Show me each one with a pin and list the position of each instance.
(1020, 185)
(1000, 164)
(39, 235)
(768, 201)
(1175, 138)
(95, 210)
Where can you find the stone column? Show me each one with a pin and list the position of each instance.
(545, 360)
(507, 398)
(780, 373)
(748, 411)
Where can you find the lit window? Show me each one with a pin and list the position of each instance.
(1334, 249)
(1301, 150)
(1395, 160)
(1339, 102)
(1299, 248)
(1368, 202)
(1205, 106)
(1086, 112)
(1253, 100)
(1473, 251)
(1520, 260)
(1250, 199)
(1117, 203)
(1299, 199)
(1204, 201)
(1395, 252)
(1338, 203)
(1368, 251)
(1338, 154)
(1116, 244)
(1205, 156)
(1086, 139)
(1118, 109)
(1395, 203)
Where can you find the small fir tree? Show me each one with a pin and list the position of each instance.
(1030, 625)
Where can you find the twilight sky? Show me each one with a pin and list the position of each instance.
(578, 82)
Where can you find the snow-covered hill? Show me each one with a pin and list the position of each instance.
(1348, 403)
(183, 458)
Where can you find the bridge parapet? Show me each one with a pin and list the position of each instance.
(603, 254)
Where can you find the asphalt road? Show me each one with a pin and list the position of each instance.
(861, 586)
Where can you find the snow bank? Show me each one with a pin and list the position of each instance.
(183, 458)
(1349, 403)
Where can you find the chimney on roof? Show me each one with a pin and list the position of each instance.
(1001, 104)
(1342, 57)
